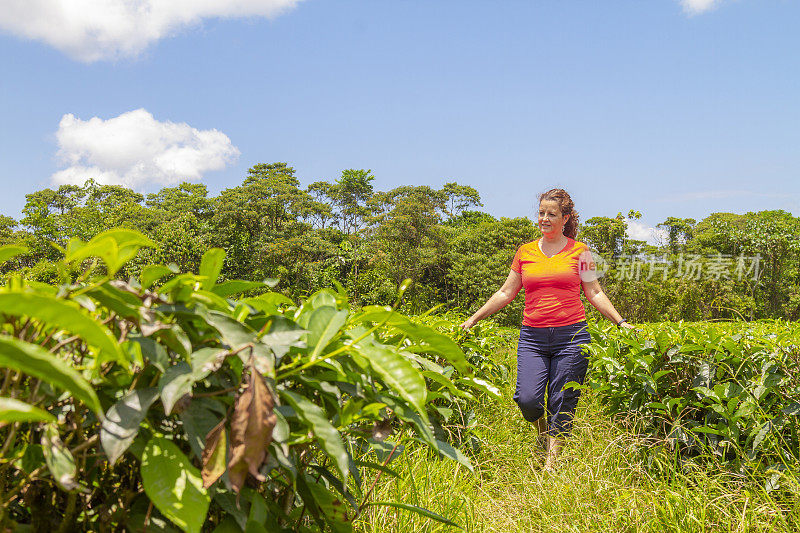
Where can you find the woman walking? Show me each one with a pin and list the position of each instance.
(549, 355)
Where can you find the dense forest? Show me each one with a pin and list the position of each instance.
(344, 231)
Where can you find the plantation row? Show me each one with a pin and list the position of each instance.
(729, 392)
(166, 400)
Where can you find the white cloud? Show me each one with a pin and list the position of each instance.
(135, 149)
(695, 7)
(642, 232)
(90, 30)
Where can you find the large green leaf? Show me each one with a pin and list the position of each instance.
(324, 324)
(42, 288)
(398, 373)
(234, 333)
(315, 418)
(174, 485)
(259, 513)
(122, 421)
(179, 379)
(58, 459)
(122, 303)
(152, 273)
(283, 334)
(237, 335)
(175, 338)
(115, 247)
(268, 303)
(11, 251)
(12, 410)
(35, 361)
(151, 350)
(57, 313)
(209, 299)
(176, 382)
(433, 340)
(323, 502)
(321, 298)
(762, 433)
(206, 360)
(236, 286)
(210, 267)
(179, 282)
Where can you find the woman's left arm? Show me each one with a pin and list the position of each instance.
(594, 293)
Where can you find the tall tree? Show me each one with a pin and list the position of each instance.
(775, 237)
(322, 192)
(262, 223)
(185, 198)
(605, 234)
(679, 231)
(458, 198)
(408, 239)
(350, 197)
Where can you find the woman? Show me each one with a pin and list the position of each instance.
(549, 355)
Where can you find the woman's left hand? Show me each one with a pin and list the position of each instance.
(627, 326)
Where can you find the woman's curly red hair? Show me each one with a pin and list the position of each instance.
(567, 208)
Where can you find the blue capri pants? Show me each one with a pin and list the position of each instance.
(547, 359)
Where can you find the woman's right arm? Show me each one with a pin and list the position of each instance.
(499, 300)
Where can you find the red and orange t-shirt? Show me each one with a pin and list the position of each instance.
(552, 284)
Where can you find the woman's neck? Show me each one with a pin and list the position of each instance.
(553, 239)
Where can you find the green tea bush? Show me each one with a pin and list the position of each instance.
(454, 417)
(727, 391)
(166, 401)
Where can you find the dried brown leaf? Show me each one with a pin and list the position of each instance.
(214, 454)
(251, 429)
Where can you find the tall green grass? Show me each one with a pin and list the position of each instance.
(604, 483)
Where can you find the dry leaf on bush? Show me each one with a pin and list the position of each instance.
(251, 429)
(214, 454)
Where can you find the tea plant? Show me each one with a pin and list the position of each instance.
(730, 391)
(453, 411)
(169, 400)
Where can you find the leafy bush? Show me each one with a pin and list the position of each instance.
(730, 391)
(454, 417)
(166, 401)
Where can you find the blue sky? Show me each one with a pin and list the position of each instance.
(671, 108)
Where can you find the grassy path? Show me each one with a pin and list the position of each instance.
(601, 485)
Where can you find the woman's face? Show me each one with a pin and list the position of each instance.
(551, 221)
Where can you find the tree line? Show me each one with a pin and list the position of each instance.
(726, 266)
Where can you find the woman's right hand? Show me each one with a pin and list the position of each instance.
(467, 324)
